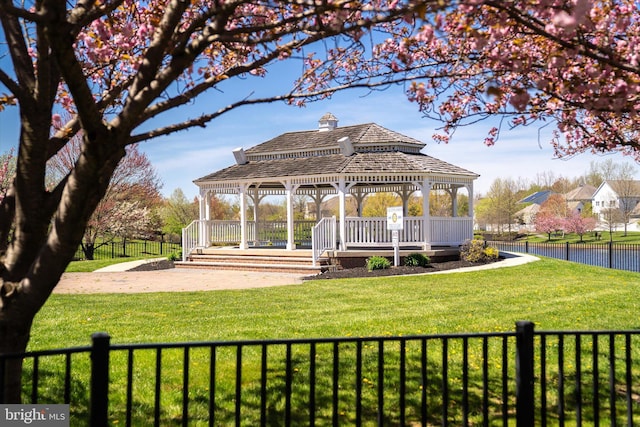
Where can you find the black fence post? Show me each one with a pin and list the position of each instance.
(99, 399)
(524, 374)
(566, 255)
(610, 244)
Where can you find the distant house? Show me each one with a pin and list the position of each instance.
(579, 197)
(527, 215)
(576, 200)
(537, 198)
(620, 194)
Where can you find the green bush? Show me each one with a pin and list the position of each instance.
(175, 256)
(475, 251)
(416, 260)
(377, 263)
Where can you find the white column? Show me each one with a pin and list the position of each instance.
(203, 202)
(242, 191)
(290, 191)
(343, 215)
(471, 214)
(426, 216)
(256, 228)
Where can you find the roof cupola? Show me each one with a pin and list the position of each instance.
(327, 122)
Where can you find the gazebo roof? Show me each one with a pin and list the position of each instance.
(359, 150)
(363, 137)
(357, 163)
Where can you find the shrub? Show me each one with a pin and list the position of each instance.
(475, 251)
(416, 260)
(377, 263)
(175, 256)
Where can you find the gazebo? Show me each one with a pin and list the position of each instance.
(332, 161)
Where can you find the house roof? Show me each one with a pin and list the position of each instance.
(584, 192)
(538, 198)
(625, 188)
(528, 210)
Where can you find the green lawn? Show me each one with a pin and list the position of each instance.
(553, 294)
(632, 237)
(96, 264)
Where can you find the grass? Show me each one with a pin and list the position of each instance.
(556, 295)
(632, 237)
(96, 264)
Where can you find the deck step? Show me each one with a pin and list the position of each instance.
(251, 261)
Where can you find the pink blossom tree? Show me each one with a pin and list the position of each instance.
(7, 172)
(576, 223)
(572, 63)
(133, 183)
(547, 222)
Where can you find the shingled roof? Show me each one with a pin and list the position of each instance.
(363, 137)
(318, 152)
(357, 163)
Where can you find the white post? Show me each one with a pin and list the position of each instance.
(203, 202)
(426, 216)
(256, 228)
(343, 216)
(290, 189)
(242, 190)
(342, 188)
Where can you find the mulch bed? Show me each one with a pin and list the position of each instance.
(349, 273)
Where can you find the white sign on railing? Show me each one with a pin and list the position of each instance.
(395, 220)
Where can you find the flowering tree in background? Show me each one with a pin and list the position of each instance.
(134, 189)
(7, 172)
(122, 68)
(576, 223)
(547, 222)
(572, 63)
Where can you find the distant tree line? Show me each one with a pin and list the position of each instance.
(498, 209)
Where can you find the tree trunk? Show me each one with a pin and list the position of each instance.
(14, 338)
(89, 250)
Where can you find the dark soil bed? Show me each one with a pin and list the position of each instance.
(349, 273)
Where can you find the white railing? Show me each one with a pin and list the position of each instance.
(224, 232)
(373, 232)
(444, 231)
(448, 231)
(190, 239)
(323, 237)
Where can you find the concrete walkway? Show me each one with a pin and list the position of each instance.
(116, 278)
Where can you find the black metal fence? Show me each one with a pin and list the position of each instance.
(518, 378)
(609, 255)
(132, 248)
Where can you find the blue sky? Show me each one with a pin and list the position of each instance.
(183, 157)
